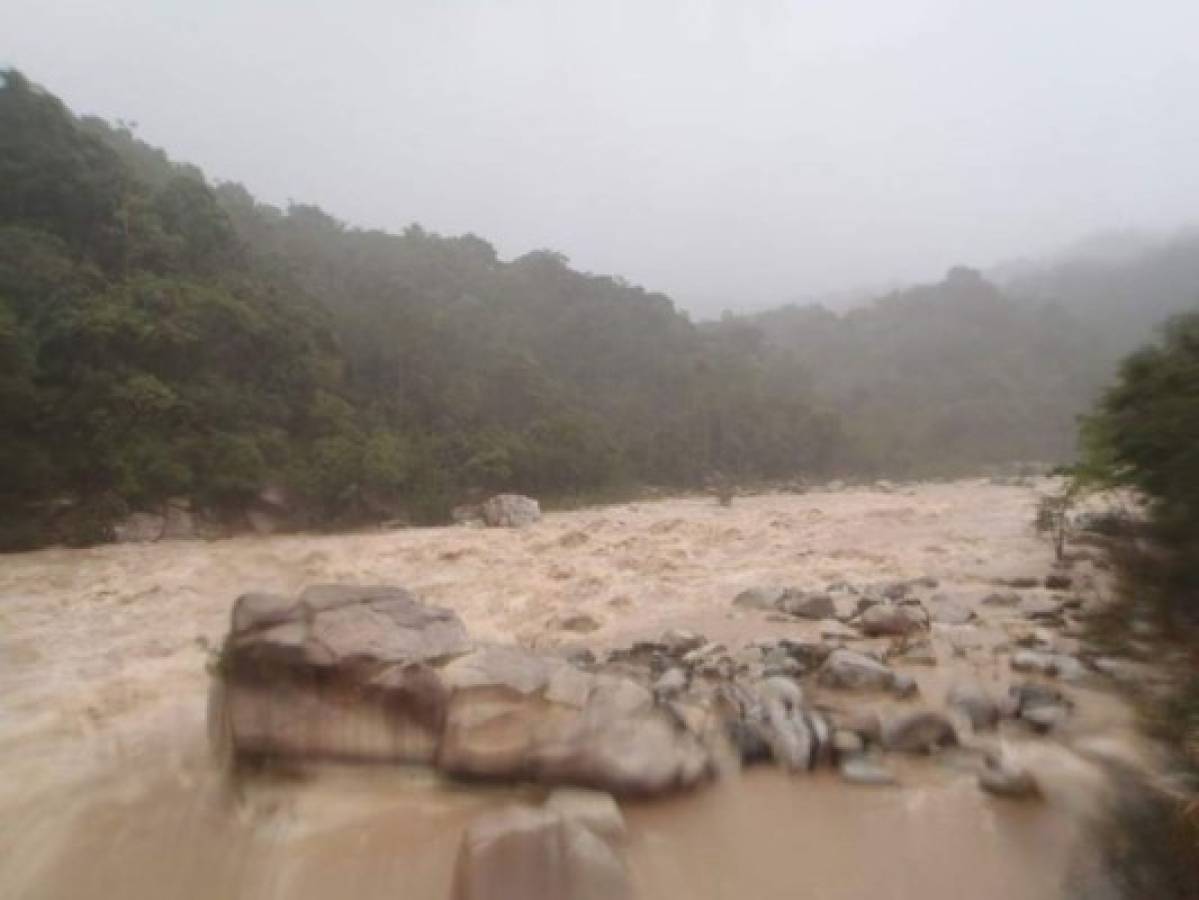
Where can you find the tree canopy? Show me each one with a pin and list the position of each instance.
(163, 337)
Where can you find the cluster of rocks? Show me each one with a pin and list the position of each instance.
(372, 674)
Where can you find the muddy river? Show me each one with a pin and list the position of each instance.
(108, 791)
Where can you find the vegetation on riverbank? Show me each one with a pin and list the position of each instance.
(166, 339)
(1144, 434)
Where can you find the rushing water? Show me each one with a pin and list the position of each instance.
(108, 791)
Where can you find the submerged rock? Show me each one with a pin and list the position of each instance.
(1056, 665)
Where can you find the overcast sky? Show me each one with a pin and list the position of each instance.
(731, 153)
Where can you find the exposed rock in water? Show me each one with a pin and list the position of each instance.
(537, 854)
(515, 716)
(855, 671)
(370, 673)
(892, 619)
(680, 642)
(807, 606)
(510, 511)
(1056, 665)
(765, 598)
(1039, 705)
(972, 701)
(339, 672)
(919, 732)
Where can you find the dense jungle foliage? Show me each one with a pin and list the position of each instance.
(164, 337)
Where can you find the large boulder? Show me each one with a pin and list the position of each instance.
(510, 511)
(369, 673)
(514, 715)
(537, 854)
(342, 671)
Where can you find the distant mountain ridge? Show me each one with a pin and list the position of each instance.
(165, 339)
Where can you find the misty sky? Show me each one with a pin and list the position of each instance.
(731, 153)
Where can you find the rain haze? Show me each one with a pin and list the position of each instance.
(491, 449)
(731, 154)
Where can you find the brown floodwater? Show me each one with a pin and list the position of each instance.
(384, 834)
(108, 792)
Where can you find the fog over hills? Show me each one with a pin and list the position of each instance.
(171, 337)
(733, 155)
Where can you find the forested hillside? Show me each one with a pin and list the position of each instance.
(949, 376)
(167, 339)
(162, 337)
